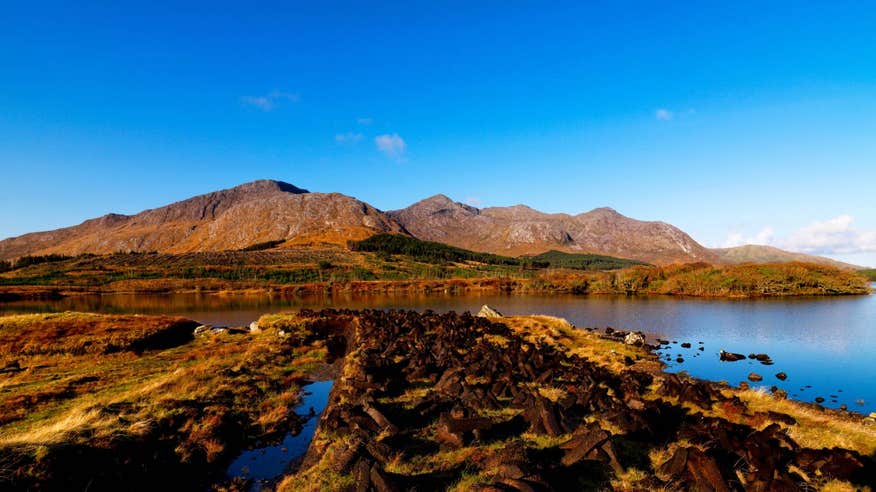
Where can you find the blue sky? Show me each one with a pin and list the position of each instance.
(736, 121)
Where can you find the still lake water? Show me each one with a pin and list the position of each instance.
(826, 345)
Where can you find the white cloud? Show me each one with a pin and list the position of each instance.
(348, 137)
(765, 236)
(833, 236)
(663, 114)
(269, 101)
(393, 146)
(365, 121)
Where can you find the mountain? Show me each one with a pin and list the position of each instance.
(266, 210)
(254, 212)
(518, 230)
(753, 253)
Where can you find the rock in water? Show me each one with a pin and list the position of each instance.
(730, 356)
(755, 377)
(781, 376)
(634, 339)
(488, 312)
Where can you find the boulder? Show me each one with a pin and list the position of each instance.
(254, 327)
(634, 339)
(781, 376)
(755, 377)
(488, 312)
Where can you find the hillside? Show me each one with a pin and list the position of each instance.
(520, 230)
(753, 253)
(229, 219)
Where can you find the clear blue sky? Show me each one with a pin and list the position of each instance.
(735, 121)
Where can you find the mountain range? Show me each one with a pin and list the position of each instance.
(267, 210)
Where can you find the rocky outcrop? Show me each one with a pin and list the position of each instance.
(532, 416)
(488, 312)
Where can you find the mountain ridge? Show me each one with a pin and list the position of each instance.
(270, 210)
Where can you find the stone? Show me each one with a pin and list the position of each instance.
(202, 329)
(254, 327)
(730, 356)
(488, 312)
(755, 377)
(685, 345)
(634, 339)
(781, 376)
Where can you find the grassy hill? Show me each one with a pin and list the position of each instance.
(427, 251)
(559, 259)
(870, 273)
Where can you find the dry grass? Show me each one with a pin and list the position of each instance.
(589, 345)
(190, 395)
(79, 333)
(816, 428)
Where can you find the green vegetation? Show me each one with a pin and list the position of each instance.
(26, 261)
(263, 246)
(431, 252)
(870, 273)
(5, 266)
(559, 259)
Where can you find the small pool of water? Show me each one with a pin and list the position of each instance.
(268, 463)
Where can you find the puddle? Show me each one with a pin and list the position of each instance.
(265, 464)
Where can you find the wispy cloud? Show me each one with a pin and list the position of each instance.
(663, 114)
(392, 145)
(365, 121)
(835, 236)
(349, 137)
(270, 101)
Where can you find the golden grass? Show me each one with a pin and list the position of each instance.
(187, 393)
(588, 345)
(815, 428)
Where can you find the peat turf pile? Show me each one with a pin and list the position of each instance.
(430, 400)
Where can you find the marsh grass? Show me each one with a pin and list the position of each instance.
(205, 396)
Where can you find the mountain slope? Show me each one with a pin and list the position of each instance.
(254, 212)
(520, 230)
(754, 253)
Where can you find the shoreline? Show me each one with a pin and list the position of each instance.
(459, 286)
(448, 398)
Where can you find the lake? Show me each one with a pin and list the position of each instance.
(824, 344)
